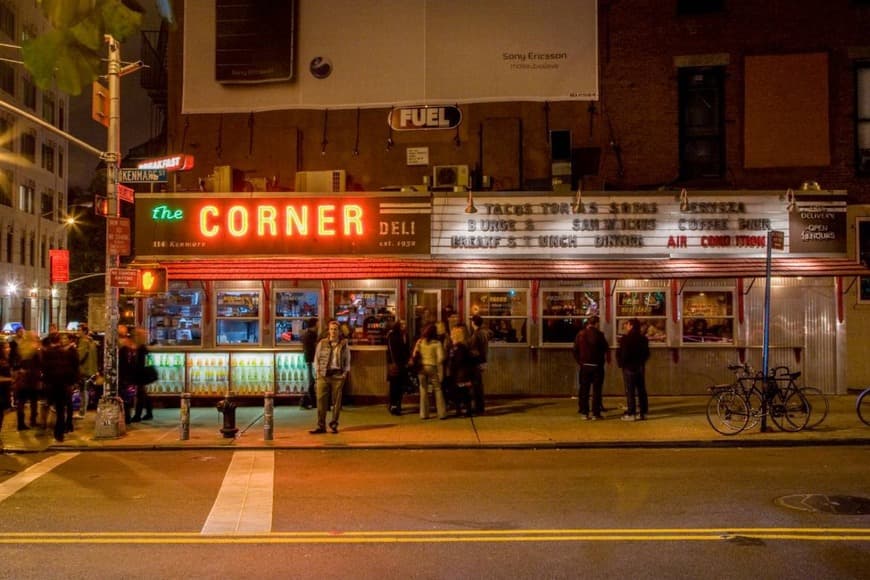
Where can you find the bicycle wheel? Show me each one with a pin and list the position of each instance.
(819, 405)
(862, 406)
(727, 413)
(753, 399)
(789, 410)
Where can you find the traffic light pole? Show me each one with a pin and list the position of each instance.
(110, 416)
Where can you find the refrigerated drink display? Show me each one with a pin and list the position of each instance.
(252, 373)
(292, 374)
(208, 373)
(170, 369)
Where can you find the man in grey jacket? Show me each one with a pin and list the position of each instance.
(332, 365)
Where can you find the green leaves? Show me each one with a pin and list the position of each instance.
(71, 54)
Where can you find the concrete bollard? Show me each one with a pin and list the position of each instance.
(268, 416)
(185, 416)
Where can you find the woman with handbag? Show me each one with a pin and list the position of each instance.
(460, 369)
(431, 353)
(398, 357)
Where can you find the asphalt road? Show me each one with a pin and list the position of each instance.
(681, 513)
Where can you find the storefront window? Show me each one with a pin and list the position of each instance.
(650, 307)
(708, 317)
(504, 312)
(564, 312)
(175, 318)
(365, 316)
(238, 318)
(292, 310)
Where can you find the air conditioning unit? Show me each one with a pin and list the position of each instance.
(450, 176)
(321, 181)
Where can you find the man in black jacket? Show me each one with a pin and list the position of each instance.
(309, 345)
(590, 351)
(59, 371)
(632, 355)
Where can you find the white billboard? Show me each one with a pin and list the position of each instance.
(389, 53)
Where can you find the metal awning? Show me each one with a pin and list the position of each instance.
(281, 268)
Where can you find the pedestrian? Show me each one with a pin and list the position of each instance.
(67, 345)
(332, 364)
(478, 344)
(309, 346)
(631, 356)
(143, 399)
(25, 356)
(431, 352)
(59, 373)
(398, 358)
(86, 350)
(127, 372)
(460, 369)
(5, 377)
(590, 350)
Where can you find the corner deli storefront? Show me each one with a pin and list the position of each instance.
(247, 270)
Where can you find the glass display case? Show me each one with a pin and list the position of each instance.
(237, 317)
(208, 373)
(175, 318)
(292, 374)
(364, 316)
(292, 309)
(170, 370)
(252, 373)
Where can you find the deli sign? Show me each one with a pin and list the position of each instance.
(425, 118)
(227, 224)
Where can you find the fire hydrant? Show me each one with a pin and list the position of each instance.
(228, 409)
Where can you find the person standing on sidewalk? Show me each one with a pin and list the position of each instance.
(59, 373)
(478, 344)
(432, 357)
(332, 364)
(143, 399)
(87, 353)
(309, 346)
(590, 350)
(398, 357)
(632, 354)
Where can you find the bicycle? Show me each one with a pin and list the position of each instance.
(862, 406)
(734, 407)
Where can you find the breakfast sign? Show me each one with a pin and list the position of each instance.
(233, 224)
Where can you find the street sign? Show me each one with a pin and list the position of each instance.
(118, 233)
(777, 240)
(100, 104)
(134, 175)
(126, 193)
(127, 278)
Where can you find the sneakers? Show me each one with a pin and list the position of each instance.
(629, 418)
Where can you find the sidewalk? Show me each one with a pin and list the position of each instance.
(508, 423)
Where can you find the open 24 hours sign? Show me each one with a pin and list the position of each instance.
(246, 224)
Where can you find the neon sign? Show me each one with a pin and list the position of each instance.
(169, 163)
(269, 224)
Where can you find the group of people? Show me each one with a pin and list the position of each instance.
(591, 351)
(53, 369)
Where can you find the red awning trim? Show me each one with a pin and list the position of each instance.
(353, 268)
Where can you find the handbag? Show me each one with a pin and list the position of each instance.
(149, 375)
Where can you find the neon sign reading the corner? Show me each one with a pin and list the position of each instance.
(272, 221)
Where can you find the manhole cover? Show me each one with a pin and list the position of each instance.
(844, 505)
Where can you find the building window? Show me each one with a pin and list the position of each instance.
(702, 123)
(48, 112)
(862, 118)
(60, 162)
(46, 205)
(10, 244)
(698, 7)
(48, 157)
(864, 257)
(238, 318)
(28, 89)
(175, 318)
(27, 197)
(28, 146)
(364, 316)
(564, 313)
(7, 77)
(6, 187)
(504, 312)
(7, 21)
(708, 317)
(61, 116)
(292, 310)
(648, 306)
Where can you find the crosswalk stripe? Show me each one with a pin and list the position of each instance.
(35, 471)
(244, 502)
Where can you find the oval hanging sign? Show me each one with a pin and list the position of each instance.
(425, 118)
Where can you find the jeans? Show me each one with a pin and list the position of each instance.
(635, 388)
(591, 377)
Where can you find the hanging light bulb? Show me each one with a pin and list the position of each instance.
(469, 207)
(684, 200)
(790, 202)
(578, 201)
